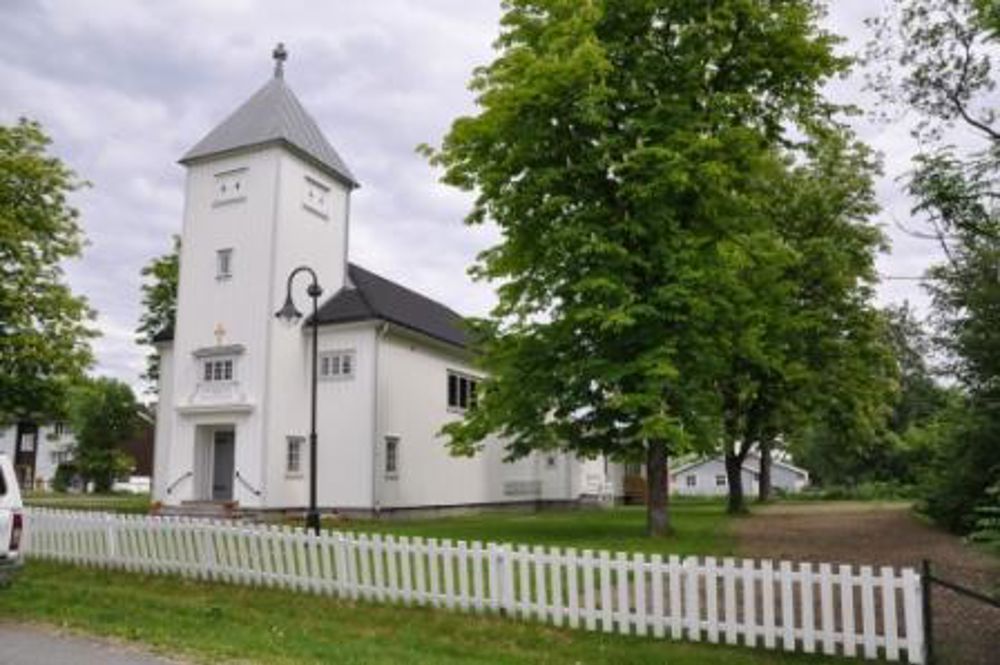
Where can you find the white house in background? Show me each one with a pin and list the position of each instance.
(266, 193)
(706, 476)
(37, 451)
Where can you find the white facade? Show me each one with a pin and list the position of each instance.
(707, 477)
(233, 414)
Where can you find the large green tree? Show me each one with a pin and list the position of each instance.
(159, 306)
(624, 149)
(103, 415)
(818, 342)
(44, 328)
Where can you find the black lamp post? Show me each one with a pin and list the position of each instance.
(289, 313)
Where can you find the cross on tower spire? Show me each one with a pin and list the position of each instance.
(280, 55)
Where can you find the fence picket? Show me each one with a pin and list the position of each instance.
(555, 582)
(888, 584)
(868, 612)
(605, 560)
(826, 621)
(911, 616)
(589, 609)
(541, 592)
(787, 607)
(847, 610)
(462, 558)
(729, 599)
(572, 591)
(639, 587)
(808, 608)
(478, 587)
(657, 590)
(711, 600)
(767, 603)
(749, 604)
(676, 618)
(692, 610)
(621, 578)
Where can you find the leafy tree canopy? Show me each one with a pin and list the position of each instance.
(628, 152)
(103, 416)
(44, 328)
(159, 305)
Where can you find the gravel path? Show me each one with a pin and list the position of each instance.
(35, 645)
(966, 632)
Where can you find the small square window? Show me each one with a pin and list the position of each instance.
(224, 264)
(720, 481)
(230, 187)
(692, 481)
(336, 364)
(218, 370)
(293, 458)
(316, 198)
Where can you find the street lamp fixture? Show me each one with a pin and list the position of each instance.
(290, 314)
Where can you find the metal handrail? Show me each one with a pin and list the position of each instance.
(172, 486)
(246, 484)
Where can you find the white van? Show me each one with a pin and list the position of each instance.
(11, 520)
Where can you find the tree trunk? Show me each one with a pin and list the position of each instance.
(734, 475)
(764, 481)
(657, 517)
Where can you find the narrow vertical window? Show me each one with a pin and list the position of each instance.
(293, 458)
(391, 455)
(224, 264)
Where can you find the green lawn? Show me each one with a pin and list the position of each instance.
(212, 623)
(700, 527)
(114, 503)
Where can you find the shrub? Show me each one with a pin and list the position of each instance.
(64, 476)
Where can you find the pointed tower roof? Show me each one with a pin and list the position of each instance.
(273, 115)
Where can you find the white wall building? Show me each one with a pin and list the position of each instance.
(266, 193)
(706, 476)
(37, 451)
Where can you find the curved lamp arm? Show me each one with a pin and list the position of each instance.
(289, 311)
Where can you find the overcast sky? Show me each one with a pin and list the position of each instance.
(125, 88)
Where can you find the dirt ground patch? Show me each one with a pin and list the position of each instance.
(872, 533)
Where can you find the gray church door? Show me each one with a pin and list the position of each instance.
(223, 463)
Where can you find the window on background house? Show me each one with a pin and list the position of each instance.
(218, 370)
(336, 365)
(461, 391)
(224, 264)
(293, 455)
(28, 441)
(691, 480)
(720, 481)
(391, 455)
(550, 461)
(59, 428)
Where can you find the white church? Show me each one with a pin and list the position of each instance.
(266, 193)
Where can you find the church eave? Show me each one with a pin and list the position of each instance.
(344, 178)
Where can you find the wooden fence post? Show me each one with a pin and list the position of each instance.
(927, 606)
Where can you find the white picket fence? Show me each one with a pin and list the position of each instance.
(795, 607)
